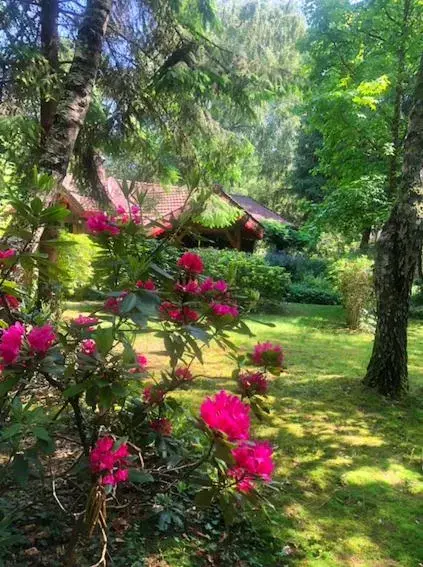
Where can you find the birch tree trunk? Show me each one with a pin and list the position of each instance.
(50, 49)
(77, 90)
(396, 260)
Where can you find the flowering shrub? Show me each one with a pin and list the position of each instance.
(122, 410)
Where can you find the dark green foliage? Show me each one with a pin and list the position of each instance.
(248, 272)
(298, 265)
(313, 290)
(284, 237)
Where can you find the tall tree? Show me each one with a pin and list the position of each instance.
(396, 261)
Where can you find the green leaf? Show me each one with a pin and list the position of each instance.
(41, 433)
(75, 389)
(104, 339)
(8, 384)
(140, 477)
(128, 303)
(11, 431)
(198, 333)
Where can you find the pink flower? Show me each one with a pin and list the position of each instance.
(207, 286)
(100, 222)
(109, 463)
(225, 413)
(256, 459)
(221, 286)
(88, 347)
(183, 373)
(83, 321)
(267, 354)
(153, 395)
(112, 304)
(141, 364)
(10, 300)
(162, 425)
(191, 287)
(222, 310)
(149, 285)
(40, 339)
(181, 315)
(122, 215)
(191, 263)
(5, 254)
(136, 214)
(244, 482)
(11, 343)
(121, 475)
(251, 383)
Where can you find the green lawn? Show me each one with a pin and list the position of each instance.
(350, 462)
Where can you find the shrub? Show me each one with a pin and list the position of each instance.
(298, 265)
(76, 254)
(248, 273)
(130, 428)
(313, 290)
(353, 278)
(284, 236)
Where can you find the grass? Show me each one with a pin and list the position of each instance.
(350, 462)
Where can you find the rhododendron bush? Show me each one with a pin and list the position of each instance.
(129, 426)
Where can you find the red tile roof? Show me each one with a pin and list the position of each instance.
(160, 202)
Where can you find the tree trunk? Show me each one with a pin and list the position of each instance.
(50, 49)
(77, 90)
(394, 166)
(396, 260)
(365, 238)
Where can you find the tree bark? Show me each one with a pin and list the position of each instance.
(77, 90)
(394, 165)
(365, 239)
(397, 254)
(50, 49)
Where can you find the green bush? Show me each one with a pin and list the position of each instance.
(298, 265)
(312, 289)
(247, 272)
(284, 236)
(353, 278)
(76, 253)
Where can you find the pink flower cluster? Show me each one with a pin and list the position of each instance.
(182, 314)
(223, 310)
(101, 223)
(5, 254)
(162, 425)
(191, 263)
(141, 364)
(84, 321)
(227, 414)
(252, 460)
(39, 339)
(124, 217)
(112, 304)
(149, 285)
(110, 464)
(11, 343)
(88, 347)
(153, 395)
(267, 354)
(184, 374)
(251, 383)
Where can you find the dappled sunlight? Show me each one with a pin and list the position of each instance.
(349, 462)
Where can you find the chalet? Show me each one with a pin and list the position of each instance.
(163, 208)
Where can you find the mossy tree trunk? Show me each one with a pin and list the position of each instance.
(396, 260)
